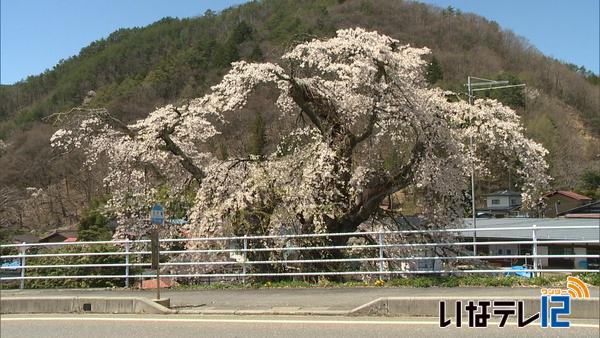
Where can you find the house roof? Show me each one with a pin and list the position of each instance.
(63, 233)
(504, 193)
(542, 234)
(570, 194)
(27, 238)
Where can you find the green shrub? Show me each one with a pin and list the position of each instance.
(93, 226)
(592, 278)
(415, 282)
(77, 271)
(472, 281)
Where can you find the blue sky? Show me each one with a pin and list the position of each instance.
(36, 34)
(567, 30)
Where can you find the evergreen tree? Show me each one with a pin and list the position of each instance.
(258, 137)
(93, 225)
(256, 55)
(241, 33)
(434, 72)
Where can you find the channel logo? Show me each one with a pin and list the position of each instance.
(555, 308)
(576, 288)
(551, 312)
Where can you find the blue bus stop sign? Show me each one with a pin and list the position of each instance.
(157, 215)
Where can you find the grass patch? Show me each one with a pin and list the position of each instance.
(477, 281)
(592, 278)
(414, 282)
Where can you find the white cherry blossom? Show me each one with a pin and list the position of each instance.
(363, 94)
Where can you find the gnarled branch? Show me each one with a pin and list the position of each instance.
(185, 160)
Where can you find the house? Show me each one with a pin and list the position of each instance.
(60, 236)
(502, 204)
(559, 201)
(590, 210)
(560, 233)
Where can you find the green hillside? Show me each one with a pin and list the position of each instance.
(134, 70)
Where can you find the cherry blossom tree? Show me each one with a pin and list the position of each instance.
(354, 98)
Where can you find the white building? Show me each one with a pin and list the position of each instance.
(550, 229)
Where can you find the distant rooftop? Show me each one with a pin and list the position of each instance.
(542, 234)
(570, 194)
(27, 238)
(66, 233)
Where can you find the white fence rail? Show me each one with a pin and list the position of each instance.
(376, 259)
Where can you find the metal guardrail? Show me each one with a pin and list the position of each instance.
(380, 255)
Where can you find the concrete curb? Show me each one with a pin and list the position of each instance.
(19, 305)
(387, 306)
(429, 306)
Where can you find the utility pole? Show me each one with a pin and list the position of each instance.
(470, 93)
(480, 84)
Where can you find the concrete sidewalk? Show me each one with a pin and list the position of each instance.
(333, 301)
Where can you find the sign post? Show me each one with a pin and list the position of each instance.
(157, 218)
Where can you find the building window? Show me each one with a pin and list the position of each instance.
(495, 201)
(514, 202)
(508, 251)
(499, 251)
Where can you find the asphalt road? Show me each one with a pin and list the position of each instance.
(130, 326)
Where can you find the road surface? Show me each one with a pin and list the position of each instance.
(130, 326)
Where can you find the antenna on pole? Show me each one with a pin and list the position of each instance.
(481, 84)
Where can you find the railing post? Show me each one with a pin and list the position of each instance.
(245, 257)
(126, 262)
(534, 250)
(23, 251)
(380, 242)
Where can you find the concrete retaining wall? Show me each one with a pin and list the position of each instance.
(429, 306)
(80, 305)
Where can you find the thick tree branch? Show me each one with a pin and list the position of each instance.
(116, 123)
(101, 113)
(185, 160)
(366, 207)
(303, 95)
(170, 146)
(368, 130)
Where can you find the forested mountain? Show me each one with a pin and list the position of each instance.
(134, 70)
